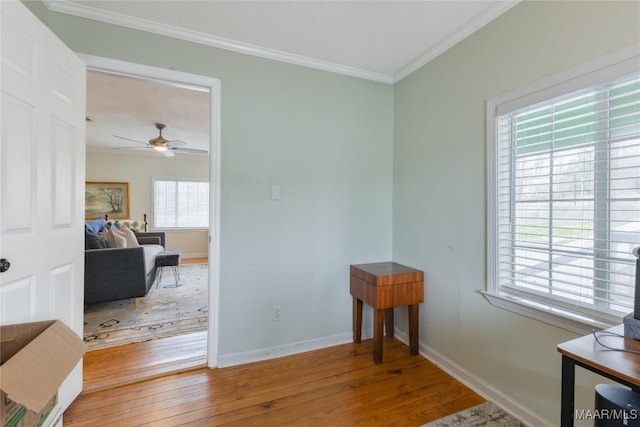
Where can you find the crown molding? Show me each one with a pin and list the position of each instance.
(96, 14)
(463, 32)
(89, 12)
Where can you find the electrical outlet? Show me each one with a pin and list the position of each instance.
(276, 312)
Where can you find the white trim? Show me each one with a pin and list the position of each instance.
(194, 255)
(215, 167)
(607, 67)
(154, 73)
(241, 358)
(469, 28)
(550, 315)
(89, 12)
(476, 384)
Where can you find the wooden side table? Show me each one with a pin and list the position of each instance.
(620, 366)
(383, 286)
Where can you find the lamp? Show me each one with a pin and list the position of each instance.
(160, 148)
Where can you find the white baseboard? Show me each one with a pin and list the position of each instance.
(234, 359)
(481, 387)
(194, 255)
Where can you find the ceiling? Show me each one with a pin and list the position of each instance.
(121, 106)
(377, 40)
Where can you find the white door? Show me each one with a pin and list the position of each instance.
(42, 158)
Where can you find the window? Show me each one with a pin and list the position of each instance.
(564, 198)
(180, 203)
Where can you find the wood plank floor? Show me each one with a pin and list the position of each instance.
(336, 386)
(143, 361)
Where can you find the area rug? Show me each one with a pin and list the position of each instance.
(164, 312)
(486, 414)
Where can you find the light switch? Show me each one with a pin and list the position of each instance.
(275, 192)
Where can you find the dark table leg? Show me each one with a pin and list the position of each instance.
(357, 320)
(568, 392)
(378, 324)
(388, 322)
(414, 322)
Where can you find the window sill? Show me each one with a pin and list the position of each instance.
(544, 313)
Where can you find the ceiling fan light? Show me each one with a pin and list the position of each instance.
(160, 148)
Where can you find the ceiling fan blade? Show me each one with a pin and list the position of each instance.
(176, 143)
(129, 139)
(190, 150)
(131, 148)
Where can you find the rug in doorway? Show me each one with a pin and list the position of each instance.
(164, 312)
(485, 414)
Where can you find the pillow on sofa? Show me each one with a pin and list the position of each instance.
(95, 225)
(115, 225)
(93, 240)
(109, 238)
(127, 234)
(121, 242)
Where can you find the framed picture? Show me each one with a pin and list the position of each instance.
(106, 198)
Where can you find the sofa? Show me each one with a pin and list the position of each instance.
(115, 273)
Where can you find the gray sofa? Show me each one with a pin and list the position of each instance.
(112, 274)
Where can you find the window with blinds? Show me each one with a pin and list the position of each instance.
(566, 200)
(180, 203)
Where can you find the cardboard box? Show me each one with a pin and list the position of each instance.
(35, 358)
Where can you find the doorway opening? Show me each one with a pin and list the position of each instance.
(119, 148)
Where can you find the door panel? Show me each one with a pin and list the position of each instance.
(20, 289)
(17, 171)
(62, 176)
(42, 155)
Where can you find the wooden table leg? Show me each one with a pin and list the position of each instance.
(357, 320)
(388, 322)
(414, 322)
(378, 324)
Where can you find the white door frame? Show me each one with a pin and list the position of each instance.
(143, 71)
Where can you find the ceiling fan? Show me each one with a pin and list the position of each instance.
(163, 145)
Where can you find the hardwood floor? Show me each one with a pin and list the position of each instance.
(336, 386)
(142, 361)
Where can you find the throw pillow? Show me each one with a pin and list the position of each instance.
(129, 235)
(132, 240)
(95, 225)
(121, 242)
(93, 240)
(107, 235)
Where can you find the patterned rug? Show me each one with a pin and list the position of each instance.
(164, 312)
(486, 414)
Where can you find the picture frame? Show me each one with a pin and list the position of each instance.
(106, 198)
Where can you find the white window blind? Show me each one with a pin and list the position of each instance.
(567, 200)
(180, 203)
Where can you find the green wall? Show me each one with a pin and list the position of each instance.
(326, 139)
(439, 210)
